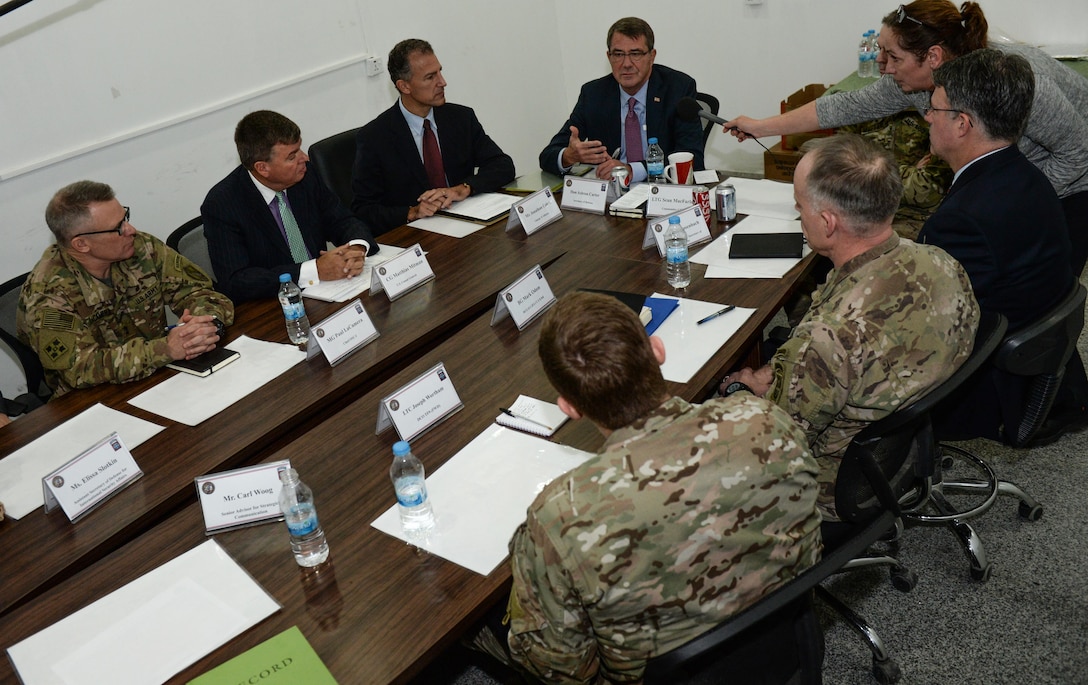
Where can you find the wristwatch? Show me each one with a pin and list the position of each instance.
(735, 386)
(220, 329)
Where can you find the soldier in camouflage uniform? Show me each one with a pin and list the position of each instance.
(925, 178)
(892, 321)
(92, 307)
(688, 514)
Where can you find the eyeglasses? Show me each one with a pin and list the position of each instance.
(635, 55)
(119, 229)
(901, 14)
(930, 108)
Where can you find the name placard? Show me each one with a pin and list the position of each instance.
(91, 478)
(534, 212)
(420, 405)
(410, 269)
(585, 194)
(525, 299)
(344, 332)
(242, 497)
(691, 220)
(668, 199)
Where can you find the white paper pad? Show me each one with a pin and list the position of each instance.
(190, 399)
(21, 472)
(482, 207)
(348, 288)
(688, 345)
(150, 629)
(762, 197)
(719, 265)
(481, 494)
(444, 225)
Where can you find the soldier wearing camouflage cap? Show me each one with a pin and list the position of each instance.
(687, 515)
(92, 307)
(892, 321)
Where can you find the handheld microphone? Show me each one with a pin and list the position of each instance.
(689, 109)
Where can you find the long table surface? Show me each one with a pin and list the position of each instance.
(469, 273)
(380, 611)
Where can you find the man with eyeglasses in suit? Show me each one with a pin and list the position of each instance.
(616, 114)
(93, 306)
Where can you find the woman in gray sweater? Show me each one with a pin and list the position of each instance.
(916, 39)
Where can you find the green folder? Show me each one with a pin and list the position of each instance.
(287, 659)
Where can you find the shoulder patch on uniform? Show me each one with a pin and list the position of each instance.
(57, 349)
(57, 320)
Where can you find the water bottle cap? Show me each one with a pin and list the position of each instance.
(674, 219)
(287, 475)
(285, 278)
(651, 141)
(400, 448)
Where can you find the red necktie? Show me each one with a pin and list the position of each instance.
(632, 133)
(432, 157)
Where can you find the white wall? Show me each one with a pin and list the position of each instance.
(76, 74)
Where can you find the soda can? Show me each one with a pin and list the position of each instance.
(620, 180)
(727, 202)
(700, 195)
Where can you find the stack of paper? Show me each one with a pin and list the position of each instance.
(348, 288)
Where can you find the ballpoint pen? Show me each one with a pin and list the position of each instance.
(715, 315)
(525, 418)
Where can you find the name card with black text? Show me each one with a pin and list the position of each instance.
(410, 269)
(344, 332)
(242, 497)
(91, 478)
(534, 212)
(668, 199)
(525, 299)
(691, 220)
(420, 405)
(585, 194)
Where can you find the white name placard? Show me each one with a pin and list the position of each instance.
(534, 212)
(668, 199)
(242, 497)
(585, 194)
(344, 332)
(420, 405)
(691, 220)
(525, 299)
(410, 269)
(91, 478)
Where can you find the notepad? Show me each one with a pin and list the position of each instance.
(533, 416)
(207, 363)
(766, 246)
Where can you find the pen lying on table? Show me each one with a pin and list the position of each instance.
(715, 315)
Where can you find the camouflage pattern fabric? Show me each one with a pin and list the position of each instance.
(906, 135)
(883, 330)
(683, 519)
(88, 332)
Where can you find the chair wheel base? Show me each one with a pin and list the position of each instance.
(1031, 513)
(904, 580)
(886, 672)
(981, 574)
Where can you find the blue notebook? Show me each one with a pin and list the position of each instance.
(661, 308)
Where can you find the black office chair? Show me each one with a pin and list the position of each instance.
(188, 239)
(1040, 352)
(38, 393)
(709, 103)
(334, 158)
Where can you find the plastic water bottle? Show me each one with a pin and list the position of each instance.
(410, 486)
(865, 57)
(874, 69)
(297, 504)
(655, 161)
(677, 268)
(294, 311)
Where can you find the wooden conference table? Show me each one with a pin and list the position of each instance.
(381, 611)
(41, 549)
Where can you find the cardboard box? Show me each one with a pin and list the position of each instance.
(801, 97)
(778, 164)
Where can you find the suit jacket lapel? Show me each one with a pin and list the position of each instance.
(404, 145)
(655, 111)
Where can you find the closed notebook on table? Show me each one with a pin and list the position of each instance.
(766, 246)
(206, 363)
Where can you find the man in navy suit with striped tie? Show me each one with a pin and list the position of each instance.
(270, 216)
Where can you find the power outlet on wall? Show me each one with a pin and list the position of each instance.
(374, 66)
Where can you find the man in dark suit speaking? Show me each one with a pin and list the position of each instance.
(270, 216)
(616, 114)
(1004, 223)
(422, 154)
